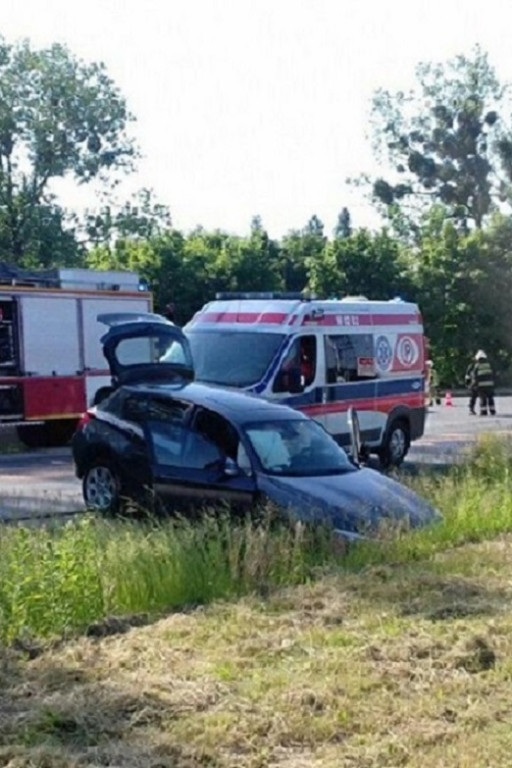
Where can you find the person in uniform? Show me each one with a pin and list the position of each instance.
(484, 381)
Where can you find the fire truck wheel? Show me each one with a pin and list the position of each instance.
(48, 435)
(396, 444)
(32, 435)
(101, 487)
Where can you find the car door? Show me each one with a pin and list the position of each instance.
(190, 471)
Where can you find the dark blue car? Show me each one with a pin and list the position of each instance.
(159, 434)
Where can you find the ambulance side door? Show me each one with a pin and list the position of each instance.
(350, 381)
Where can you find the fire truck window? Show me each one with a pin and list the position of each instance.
(349, 357)
(6, 344)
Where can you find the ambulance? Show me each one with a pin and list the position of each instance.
(323, 358)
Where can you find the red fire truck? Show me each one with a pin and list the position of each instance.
(51, 363)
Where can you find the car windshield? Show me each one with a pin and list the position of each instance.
(297, 448)
(232, 358)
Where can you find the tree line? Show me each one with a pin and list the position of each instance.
(445, 150)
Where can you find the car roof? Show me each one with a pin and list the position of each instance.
(235, 405)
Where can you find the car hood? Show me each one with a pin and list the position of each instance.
(359, 501)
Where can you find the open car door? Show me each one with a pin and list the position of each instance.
(142, 347)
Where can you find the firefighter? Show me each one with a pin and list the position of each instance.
(484, 380)
(470, 382)
(433, 384)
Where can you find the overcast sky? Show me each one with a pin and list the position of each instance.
(259, 107)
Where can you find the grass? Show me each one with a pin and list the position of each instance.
(397, 655)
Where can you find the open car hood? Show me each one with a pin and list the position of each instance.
(143, 347)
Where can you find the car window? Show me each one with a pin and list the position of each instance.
(270, 448)
(165, 409)
(174, 445)
(299, 447)
(134, 408)
(218, 430)
(113, 404)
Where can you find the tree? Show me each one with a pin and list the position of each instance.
(140, 218)
(448, 141)
(299, 250)
(364, 264)
(343, 226)
(59, 117)
(463, 285)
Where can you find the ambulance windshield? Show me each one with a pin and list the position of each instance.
(232, 358)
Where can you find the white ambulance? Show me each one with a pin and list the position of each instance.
(321, 357)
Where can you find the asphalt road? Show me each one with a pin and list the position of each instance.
(43, 482)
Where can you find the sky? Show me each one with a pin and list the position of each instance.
(258, 107)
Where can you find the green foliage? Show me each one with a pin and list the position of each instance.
(140, 218)
(59, 117)
(463, 284)
(300, 249)
(54, 582)
(363, 264)
(447, 141)
(343, 226)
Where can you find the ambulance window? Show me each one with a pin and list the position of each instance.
(349, 357)
(298, 368)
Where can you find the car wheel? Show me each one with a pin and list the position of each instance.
(396, 444)
(101, 487)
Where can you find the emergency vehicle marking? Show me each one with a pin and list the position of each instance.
(280, 318)
(383, 353)
(407, 351)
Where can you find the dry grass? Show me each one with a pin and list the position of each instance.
(395, 666)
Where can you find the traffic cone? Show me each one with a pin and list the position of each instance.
(448, 400)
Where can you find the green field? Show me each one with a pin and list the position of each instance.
(129, 644)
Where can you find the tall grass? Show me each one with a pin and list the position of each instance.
(58, 581)
(53, 582)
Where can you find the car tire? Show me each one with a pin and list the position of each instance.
(101, 487)
(395, 445)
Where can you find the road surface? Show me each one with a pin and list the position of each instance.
(43, 481)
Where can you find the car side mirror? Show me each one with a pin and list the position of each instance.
(231, 468)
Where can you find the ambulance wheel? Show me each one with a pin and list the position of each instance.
(396, 444)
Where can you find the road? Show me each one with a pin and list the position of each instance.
(43, 482)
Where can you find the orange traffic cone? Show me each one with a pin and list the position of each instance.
(448, 400)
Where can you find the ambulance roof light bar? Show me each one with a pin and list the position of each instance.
(226, 295)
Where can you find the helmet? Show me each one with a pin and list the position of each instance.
(430, 363)
(480, 355)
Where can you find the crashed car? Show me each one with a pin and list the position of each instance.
(159, 434)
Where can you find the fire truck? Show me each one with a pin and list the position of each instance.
(51, 362)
